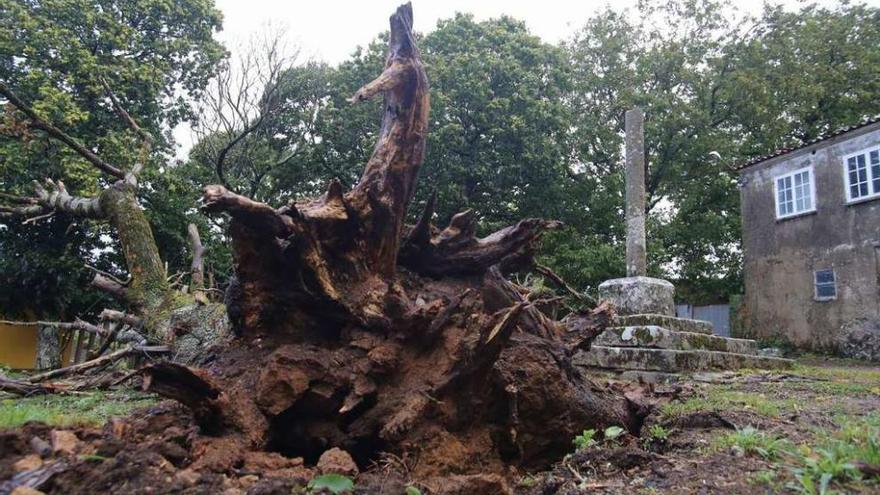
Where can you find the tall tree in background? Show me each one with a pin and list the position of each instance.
(544, 124)
(717, 89)
(91, 91)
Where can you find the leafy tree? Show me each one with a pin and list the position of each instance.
(65, 61)
(717, 89)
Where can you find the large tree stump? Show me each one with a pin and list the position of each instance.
(358, 332)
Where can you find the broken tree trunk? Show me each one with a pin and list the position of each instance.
(358, 332)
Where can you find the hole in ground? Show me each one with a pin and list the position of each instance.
(304, 430)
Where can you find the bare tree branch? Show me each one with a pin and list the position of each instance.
(110, 286)
(242, 99)
(101, 361)
(119, 316)
(145, 136)
(52, 198)
(109, 275)
(197, 269)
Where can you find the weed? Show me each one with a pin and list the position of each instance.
(765, 477)
(754, 442)
(585, 440)
(725, 400)
(612, 433)
(659, 433)
(336, 483)
(528, 481)
(806, 485)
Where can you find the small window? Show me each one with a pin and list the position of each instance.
(794, 193)
(826, 285)
(862, 174)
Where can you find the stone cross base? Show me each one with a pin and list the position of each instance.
(639, 295)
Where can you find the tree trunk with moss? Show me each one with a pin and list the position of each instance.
(148, 292)
(48, 348)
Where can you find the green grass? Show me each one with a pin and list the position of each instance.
(752, 441)
(723, 399)
(93, 408)
(827, 464)
(852, 374)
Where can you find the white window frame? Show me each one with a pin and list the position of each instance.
(869, 172)
(816, 295)
(813, 199)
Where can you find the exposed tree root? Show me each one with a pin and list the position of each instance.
(360, 333)
(355, 331)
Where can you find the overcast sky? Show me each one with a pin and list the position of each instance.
(331, 29)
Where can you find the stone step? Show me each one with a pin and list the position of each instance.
(654, 336)
(673, 361)
(667, 322)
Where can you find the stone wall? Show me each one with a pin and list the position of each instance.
(781, 255)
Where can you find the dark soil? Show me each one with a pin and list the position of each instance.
(153, 450)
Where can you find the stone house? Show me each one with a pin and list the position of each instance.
(811, 242)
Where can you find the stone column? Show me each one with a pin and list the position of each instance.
(637, 293)
(636, 258)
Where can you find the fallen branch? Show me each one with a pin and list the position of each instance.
(33, 478)
(101, 361)
(61, 325)
(109, 275)
(119, 316)
(108, 340)
(23, 388)
(110, 286)
(559, 281)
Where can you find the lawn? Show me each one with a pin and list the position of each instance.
(90, 408)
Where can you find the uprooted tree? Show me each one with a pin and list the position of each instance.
(357, 331)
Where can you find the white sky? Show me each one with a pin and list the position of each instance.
(330, 30)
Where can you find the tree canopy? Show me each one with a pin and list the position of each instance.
(58, 55)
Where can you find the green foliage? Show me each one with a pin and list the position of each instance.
(519, 127)
(659, 433)
(724, 399)
(766, 477)
(335, 483)
(806, 485)
(717, 89)
(585, 440)
(411, 490)
(154, 54)
(834, 457)
(528, 481)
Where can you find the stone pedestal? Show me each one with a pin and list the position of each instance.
(639, 295)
